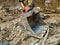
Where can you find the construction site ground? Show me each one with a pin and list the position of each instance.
(11, 22)
(15, 29)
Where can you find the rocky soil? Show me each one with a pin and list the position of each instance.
(16, 30)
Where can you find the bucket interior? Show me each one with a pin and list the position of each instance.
(35, 22)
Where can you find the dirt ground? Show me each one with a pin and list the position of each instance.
(15, 29)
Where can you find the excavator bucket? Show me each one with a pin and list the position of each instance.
(35, 21)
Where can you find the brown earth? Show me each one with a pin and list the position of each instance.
(16, 30)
